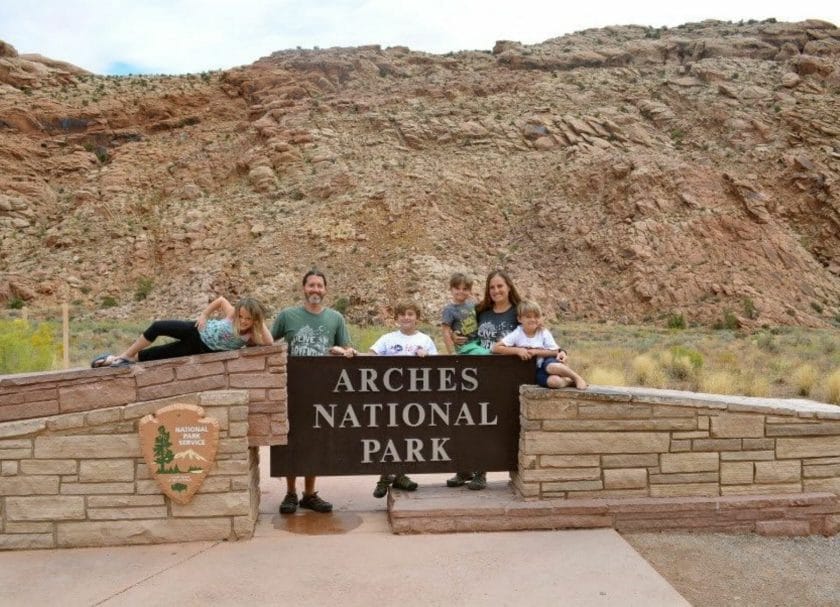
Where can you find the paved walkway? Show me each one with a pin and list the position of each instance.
(347, 558)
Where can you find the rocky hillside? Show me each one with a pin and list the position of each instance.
(620, 174)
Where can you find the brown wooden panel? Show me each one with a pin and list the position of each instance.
(374, 415)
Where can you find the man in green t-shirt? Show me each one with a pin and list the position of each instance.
(311, 330)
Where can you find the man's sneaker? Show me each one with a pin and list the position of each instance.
(478, 482)
(289, 504)
(382, 486)
(314, 502)
(460, 479)
(404, 483)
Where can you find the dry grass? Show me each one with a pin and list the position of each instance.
(606, 376)
(679, 367)
(832, 388)
(755, 364)
(682, 364)
(755, 385)
(647, 372)
(719, 382)
(804, 378)
(782, 362)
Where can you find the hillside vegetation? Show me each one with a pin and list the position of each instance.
(624, 174)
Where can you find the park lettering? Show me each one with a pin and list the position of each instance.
(397, 379)
(433, 414)
(191, 435)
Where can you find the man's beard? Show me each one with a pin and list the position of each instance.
(314, 299)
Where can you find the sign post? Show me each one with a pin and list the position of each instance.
(65, 334)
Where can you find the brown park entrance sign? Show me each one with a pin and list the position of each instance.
(375, 415)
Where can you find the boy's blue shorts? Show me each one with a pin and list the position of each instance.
(542, 371)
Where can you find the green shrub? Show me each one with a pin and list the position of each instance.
(729, 322)
(750, 311)
(26, 348)
(364, 337)
(694, 357)
(683, 363)
(676, 321)
(677, 136)
(144, 287)
(15, 303)
(109, 301)
(341, 304)
(102, 154)
(767, 342)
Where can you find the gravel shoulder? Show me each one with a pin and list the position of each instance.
(712, 570)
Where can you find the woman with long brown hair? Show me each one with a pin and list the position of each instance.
(496, 314)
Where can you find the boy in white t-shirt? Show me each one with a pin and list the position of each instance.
(408, 341)
(531, 340)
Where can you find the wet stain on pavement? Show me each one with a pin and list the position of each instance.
(312, 523)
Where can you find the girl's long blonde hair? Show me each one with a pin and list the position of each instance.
(258, 314)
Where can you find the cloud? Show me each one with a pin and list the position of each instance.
(178, 36)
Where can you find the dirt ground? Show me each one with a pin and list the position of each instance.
(712, 570)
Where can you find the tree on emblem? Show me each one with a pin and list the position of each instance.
(163, 453)
(179, 487)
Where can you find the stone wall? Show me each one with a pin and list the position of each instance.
(259, 371)
(633, 442)
(71, 469)
(680, 447)
(79, 479)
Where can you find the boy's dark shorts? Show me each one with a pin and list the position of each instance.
(542, 371)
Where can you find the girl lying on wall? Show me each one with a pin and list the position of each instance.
(240, 325)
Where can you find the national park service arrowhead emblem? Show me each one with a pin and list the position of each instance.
(179, 445)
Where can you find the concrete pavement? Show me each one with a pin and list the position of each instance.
(347, 558)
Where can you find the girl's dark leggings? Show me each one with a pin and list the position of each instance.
(184, 331)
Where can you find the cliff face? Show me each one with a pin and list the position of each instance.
(624, 174)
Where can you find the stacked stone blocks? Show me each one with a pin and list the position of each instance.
(636, 443)
(71, 468)
(259, 371)
(498, 509)
(79, 479)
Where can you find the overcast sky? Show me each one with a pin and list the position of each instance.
(178, 36)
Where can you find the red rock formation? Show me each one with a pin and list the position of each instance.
(620, 174)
